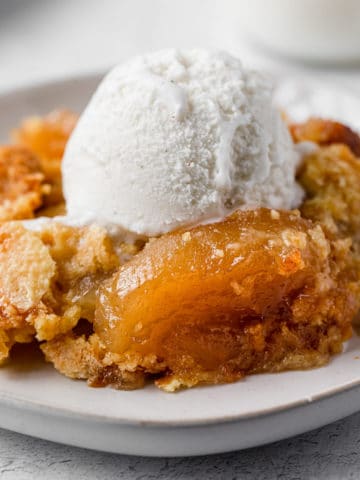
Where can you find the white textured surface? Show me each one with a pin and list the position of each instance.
(42, 39)
(177, 138)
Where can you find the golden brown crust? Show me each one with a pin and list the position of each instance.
(326, 132)
(331, 179)
(46, 137)
(22, 183)
(48, 278)
(86, 358)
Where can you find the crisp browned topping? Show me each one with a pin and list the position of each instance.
(22, 184)
(87, 358)
(326, 132)
(47, 137)
(331, 179)
(48, 279)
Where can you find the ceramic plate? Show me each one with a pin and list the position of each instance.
(36, 400)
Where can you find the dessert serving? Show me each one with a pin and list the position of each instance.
(181, 231)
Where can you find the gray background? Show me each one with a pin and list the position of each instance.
(42, 39)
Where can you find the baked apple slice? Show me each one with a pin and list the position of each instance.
(263, 290)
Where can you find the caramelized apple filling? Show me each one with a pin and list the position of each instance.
(262, 290)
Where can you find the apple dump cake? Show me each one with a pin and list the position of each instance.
(176, 232)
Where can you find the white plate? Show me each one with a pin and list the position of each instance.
(260, 409)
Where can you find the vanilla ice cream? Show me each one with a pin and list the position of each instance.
(178, 138)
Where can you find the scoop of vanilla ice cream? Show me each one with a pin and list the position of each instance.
(178, 138)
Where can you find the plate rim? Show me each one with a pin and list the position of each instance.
(30, 405)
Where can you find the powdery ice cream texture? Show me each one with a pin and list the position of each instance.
(178, 138)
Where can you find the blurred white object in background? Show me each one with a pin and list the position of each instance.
(313, 30)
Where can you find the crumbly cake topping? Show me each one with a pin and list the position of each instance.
(286, 284)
